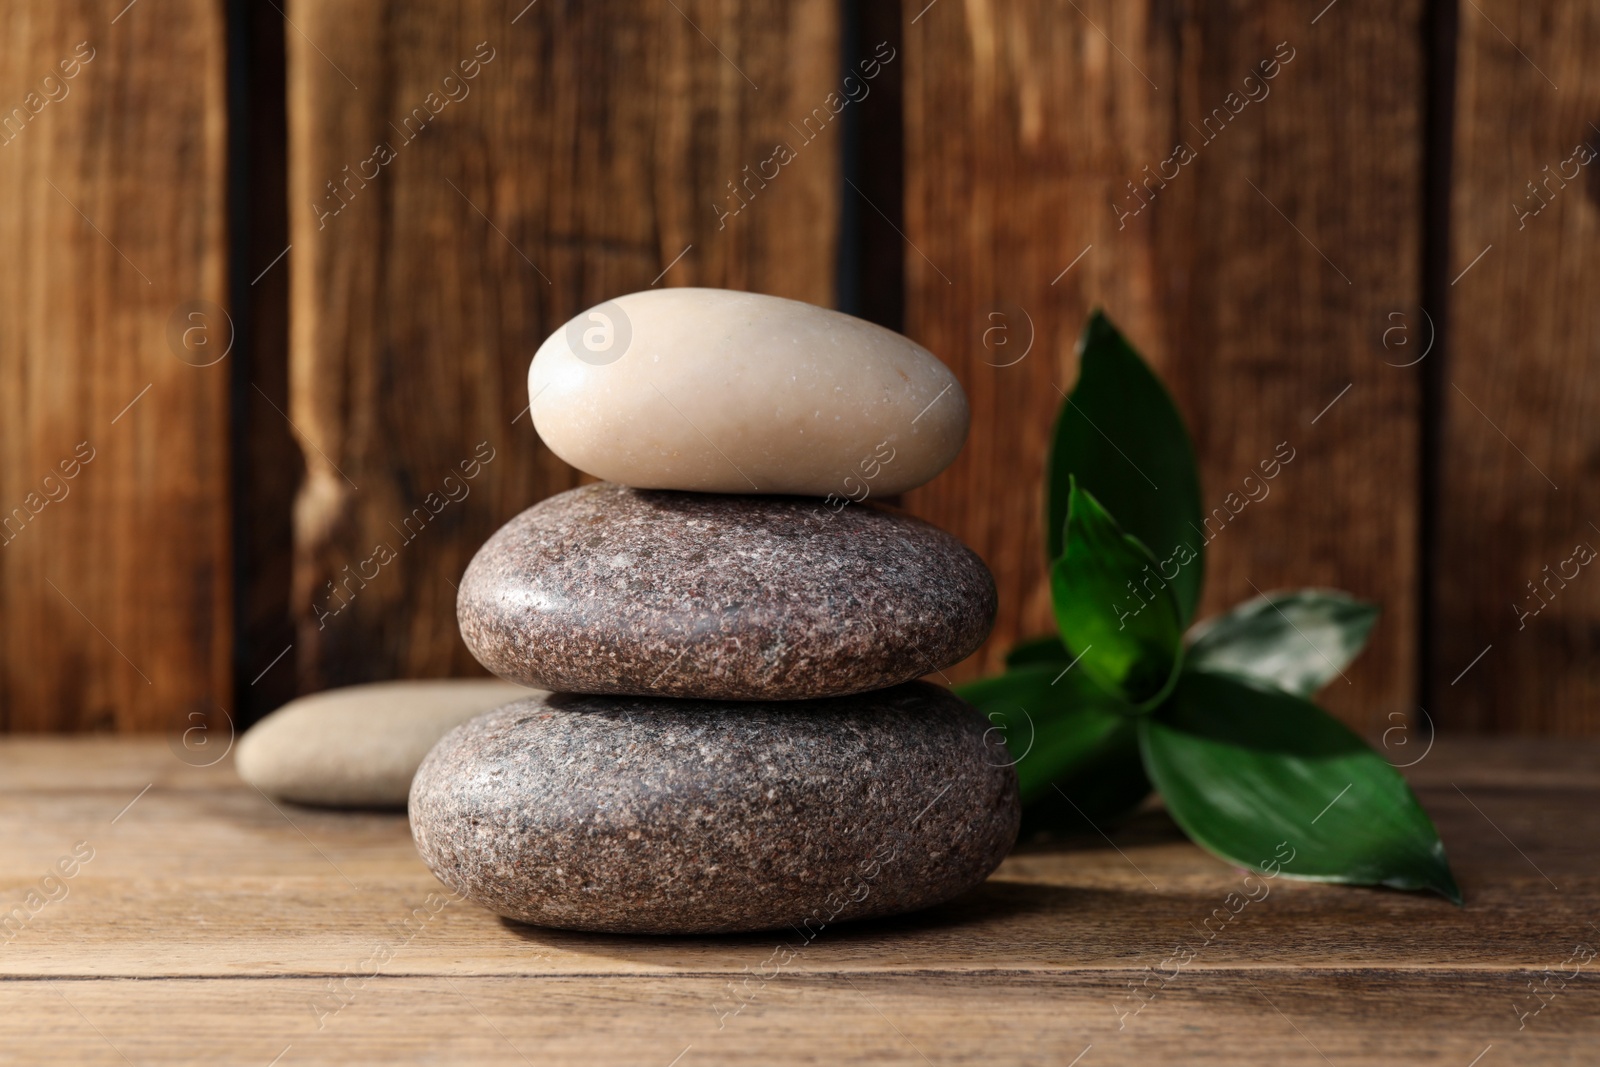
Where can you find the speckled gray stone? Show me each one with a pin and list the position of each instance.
(642, 815)
(605, 589)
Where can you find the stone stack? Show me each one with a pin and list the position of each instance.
(730, 629)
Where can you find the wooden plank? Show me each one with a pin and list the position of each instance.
(114, 555)
(1256, 277)
(1519, 393)
(1301, 1018)
(590, 156)
(309, 892)
(296, 933)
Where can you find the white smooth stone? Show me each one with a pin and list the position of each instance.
(728, 392)
(358, 747)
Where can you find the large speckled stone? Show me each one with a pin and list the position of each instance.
(358, 747)
(640, 815)
(728, 392)
(604, 589)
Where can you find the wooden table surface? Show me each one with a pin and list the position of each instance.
(211, 926)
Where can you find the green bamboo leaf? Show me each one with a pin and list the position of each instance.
(1053, 720)
(1121, 436)
(1109, 785)
(1114, 612)
(1258, 776)
(1036, 650)
(1298, 640)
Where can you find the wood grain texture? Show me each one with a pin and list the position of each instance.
(114, 555)
(595, 145)
(1256, 278)
(1520, 397)
(1302, 1017)
(315, 931)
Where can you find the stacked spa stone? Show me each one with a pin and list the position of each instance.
(731, 631)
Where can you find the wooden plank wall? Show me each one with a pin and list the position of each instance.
(1256, 278)
(441, 225)
(589, 153)
(114, 561)
(1520, 396)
